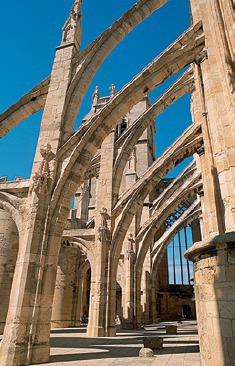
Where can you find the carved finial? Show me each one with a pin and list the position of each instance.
(103, 230)
(112, 90)
(95, 96)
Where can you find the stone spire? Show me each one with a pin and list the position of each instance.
(72, 30)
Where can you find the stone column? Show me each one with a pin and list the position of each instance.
(153, 294)
(138, 307)
(9, 245)
(85, 295)
(128, 285)
(29, 315)
(214, 256)
(214, 277)
(62, 309)
(128, 248)
(145, 280)
(145, 287)
(100, 265)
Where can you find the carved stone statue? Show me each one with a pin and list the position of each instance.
(95, 96)
(133, 160)
(113, 90)
(42, 176)
(130, 251)
(103, 230)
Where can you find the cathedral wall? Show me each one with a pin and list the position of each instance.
(9, 243)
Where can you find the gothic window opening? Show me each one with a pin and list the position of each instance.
(180, 269)
(121, 127)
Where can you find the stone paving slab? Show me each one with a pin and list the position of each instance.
(71, 347)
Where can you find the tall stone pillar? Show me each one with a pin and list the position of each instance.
(214, 278)
(138, 307)
(100, 265)
(145, 292)
(214, 256)
(63, 302)
(29, 315)
(84, 312)
(128, 285)
(129, 254)
(9, 245)
(146, 270)
(81, 298)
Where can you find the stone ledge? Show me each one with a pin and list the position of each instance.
(218, 242)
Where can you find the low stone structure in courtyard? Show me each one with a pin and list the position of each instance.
(153, 342)
(146, 352)
(171, 329)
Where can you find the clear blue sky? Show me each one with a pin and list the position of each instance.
(30, 32)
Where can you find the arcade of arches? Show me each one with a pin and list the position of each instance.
(104, 261)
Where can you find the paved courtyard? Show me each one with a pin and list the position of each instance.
(71, 346)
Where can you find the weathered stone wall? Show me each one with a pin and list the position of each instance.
(170, 302)
(9, 246)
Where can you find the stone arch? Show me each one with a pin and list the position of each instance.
(29, 104)
(84, 245)
(180, 195)
(94, 55)
(11, 203)
(185, 48)
(129, 138)
(183, 147)
(70, 281)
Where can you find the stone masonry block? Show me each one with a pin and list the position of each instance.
(146, 352)
(171, 329)
(153, 342)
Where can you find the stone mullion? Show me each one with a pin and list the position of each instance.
(100, 266)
